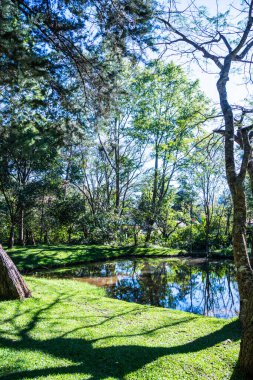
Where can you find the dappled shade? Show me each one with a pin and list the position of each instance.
(107, 340)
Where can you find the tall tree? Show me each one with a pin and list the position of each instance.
(30, 139)
(225, 41)
(169, 108)
(207, 174)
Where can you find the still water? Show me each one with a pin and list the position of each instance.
(196, 286)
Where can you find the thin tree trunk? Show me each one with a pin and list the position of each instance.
(135, 237)
(117, 179)
(42, 217)
(11, 236)
(191, 216)
(151, 218)
(30, 238)
(46, 237)
(149, 230)
(21, 240)
(117, 191)
(12, 285)
(207, 233)
(33, 242)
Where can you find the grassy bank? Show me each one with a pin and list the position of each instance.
(69, 330)
(28, 258)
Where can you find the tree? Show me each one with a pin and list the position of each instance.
(169, 108)
(30, 140)
(206, 172)
(225, 43)
(88, 36)
(120, 148)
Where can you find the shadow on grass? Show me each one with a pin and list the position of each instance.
(102, 362)
(31, 258)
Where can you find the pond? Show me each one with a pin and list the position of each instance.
(194, 285)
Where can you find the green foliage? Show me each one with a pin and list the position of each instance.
(92, 151)
(169, 107)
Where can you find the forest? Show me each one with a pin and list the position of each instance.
(126, 174)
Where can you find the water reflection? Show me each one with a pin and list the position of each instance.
(207, 288)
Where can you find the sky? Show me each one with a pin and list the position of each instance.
(238, 91)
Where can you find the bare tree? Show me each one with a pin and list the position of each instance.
(191, 31)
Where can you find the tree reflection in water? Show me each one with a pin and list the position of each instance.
(207, 288)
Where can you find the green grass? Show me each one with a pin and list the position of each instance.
(28, 258)
(70, 331)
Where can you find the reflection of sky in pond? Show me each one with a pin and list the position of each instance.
(202, 288)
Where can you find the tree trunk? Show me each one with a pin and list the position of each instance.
(251, 243)
(149, 230)
(236, 185)
(244, 271)
(33, 242)
(21, 240)
(117, 181)
(46, 237)
(246, 350)
(117, 166)
(135, 236)
(227, 230)
(152, 217)
(12, 286)
(207, 234)
(11, 236)
(29, 238)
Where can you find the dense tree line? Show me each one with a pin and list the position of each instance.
(100, 161)
(117, 178)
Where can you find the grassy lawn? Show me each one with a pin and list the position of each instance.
(27, 258)
(69, 330)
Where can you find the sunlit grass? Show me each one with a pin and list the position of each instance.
(27, 258)
(69, 330)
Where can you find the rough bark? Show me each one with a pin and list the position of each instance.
(242, 263)
(12, 285)
(246, 350)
